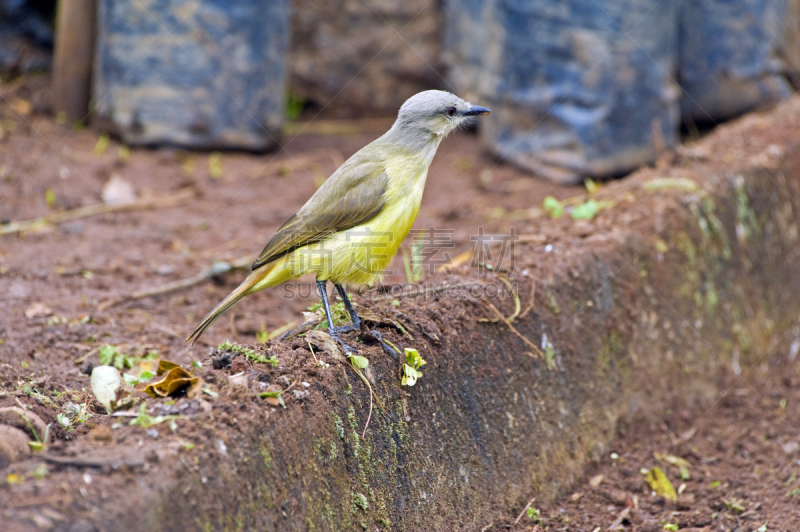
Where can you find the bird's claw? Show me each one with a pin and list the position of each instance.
(344, 329)
(376, 337)
(347, 348)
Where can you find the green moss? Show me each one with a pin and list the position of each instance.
(334, 452)
(361, 501)
(746, 222)
(266, 456)
(337, 423)
(248, 353)
(712, 299)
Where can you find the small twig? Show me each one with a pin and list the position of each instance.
(312, 351)
(369, 416)
(87, 355)
(531, 301)
(217, 268)
(369, 386)
(291, 386)
(92, 462)
(523, 510)
(621, 517)
(99, 208)
(534, 347)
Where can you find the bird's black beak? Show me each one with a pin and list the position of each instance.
(476, 110)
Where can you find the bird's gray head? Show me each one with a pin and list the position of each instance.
(435, 113)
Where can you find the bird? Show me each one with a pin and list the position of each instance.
(351, 228)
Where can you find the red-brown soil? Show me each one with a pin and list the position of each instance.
(63, 274)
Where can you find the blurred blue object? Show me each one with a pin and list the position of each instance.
(577, 88)
(207, 74)
(589, 88)
(730, 56)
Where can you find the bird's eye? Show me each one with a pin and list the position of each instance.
(450, 111)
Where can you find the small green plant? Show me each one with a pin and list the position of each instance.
(294, 105)
(549, 355)
(671, 527)
(248, 353)
(338, 314)
(553, 207)
(276, 394)
(411, 367)
(535, 514)
(586, 210)
(110, 356)
(73, 415)
(361, 501)
(734, 505)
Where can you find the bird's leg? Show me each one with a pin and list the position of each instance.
(356, 325)
(354, 319)
(322, 287)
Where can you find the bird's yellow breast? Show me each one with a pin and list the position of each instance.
(359, 256)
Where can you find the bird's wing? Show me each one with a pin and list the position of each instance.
(352, 196)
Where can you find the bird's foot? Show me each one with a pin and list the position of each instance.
(347, 348)
(375, 336)
(344, 329)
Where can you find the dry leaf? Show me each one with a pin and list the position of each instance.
(596, 481)
(23, 107)
(175, 379)
(677, 461)
(37, 310)
(324, 342)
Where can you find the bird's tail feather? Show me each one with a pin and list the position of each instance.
(240, 291)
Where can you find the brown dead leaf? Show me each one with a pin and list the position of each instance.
(23, 107)
(324, 342)
(596, 481)
(175, 379)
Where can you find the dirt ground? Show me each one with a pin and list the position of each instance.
(741, 475)
(66, 292)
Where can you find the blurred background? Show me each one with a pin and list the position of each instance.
(579, 88)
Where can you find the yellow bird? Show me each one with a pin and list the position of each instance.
(352, 226)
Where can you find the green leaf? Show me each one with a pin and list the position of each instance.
(410, 376)
(553, 206)
(659, 483)
(359, 361)
(107, 354)
(413, 359)
(130, 380)
(586, 210)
